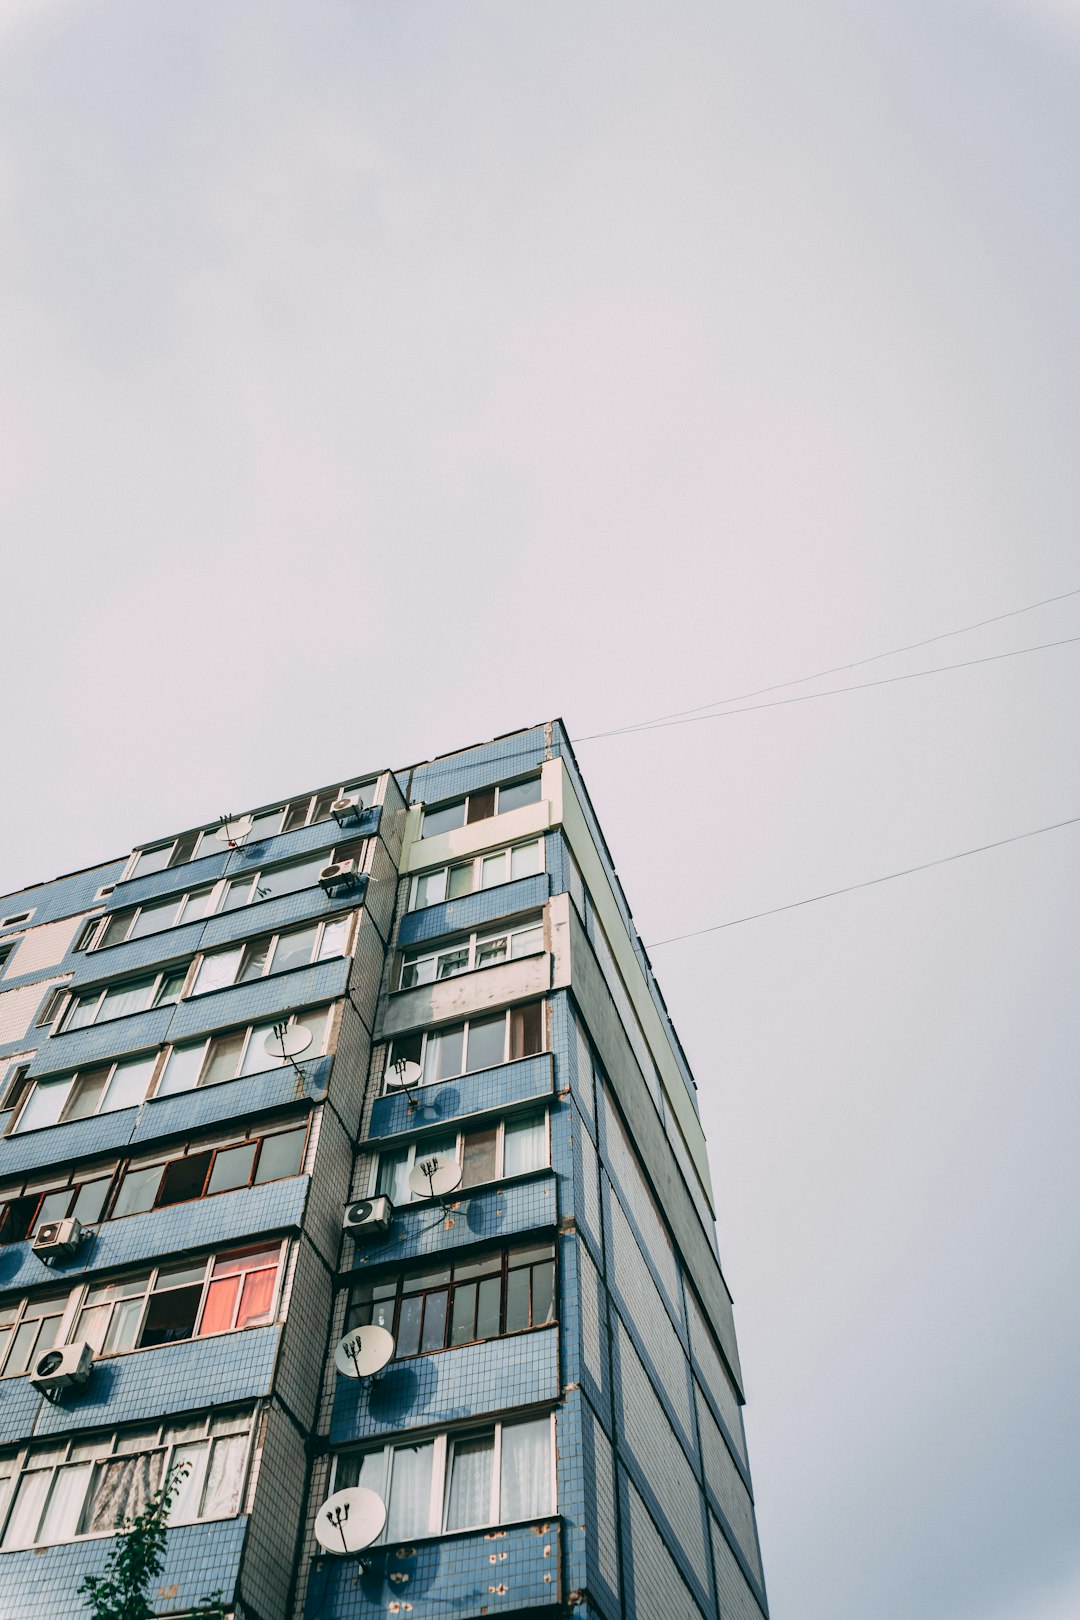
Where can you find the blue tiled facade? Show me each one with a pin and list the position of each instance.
(632, 1495)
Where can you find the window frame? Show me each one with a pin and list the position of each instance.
(355, 1308)
(496, 791)
(20, 1317)
(157, 979)
(297, 1015)
(218, 889)
(439, 1031)
(63, 1117)
(473, 943)
(215, 1148)
(215, 1426)
(441, 1474)
(476, 862)
(78, 1301)
(414, 1150)
(241, 948)
(203, 839)
(41, 1188)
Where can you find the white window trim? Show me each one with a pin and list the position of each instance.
(473, 943)
(419, 1150)
(273, 942)
(16, 919)
(9, 1487)
(390, 1087)
(112, 1064)
(439, 1498)
(219, 889)
(157, 979)
(498, 788)
(208, 842)
(475, 861)
(295, 1017)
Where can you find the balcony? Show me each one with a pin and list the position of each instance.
(527, 1204)
(492, 1377)
(501, 1571)
(486, 1091)
(206, 1223)
(225, 1370)
(199, 1558)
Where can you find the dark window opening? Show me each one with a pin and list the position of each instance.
(184, 1179)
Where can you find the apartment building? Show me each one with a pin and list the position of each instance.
(350, 1164)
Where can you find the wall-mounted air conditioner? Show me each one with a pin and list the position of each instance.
(66, 1366)
(348, 809)
(338, 875)
(55, 1239)
(368, 1217)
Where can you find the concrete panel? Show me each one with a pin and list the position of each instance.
(467, 995)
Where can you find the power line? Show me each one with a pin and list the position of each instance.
(869, 883)
(858, 663)
(690, 719)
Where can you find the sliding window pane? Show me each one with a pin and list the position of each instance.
(223, 1058)
(526, 1470)
(294, 950)
(525, 1144)
(182, 1069)
(462, 880)
(232, 1168)
(129, 1083)
(488, 1308)
(122, 999)
(469, 1496)
(409, 1509)
(527, 859)
(487, 1043)
(281, 1155)
(543, 1293)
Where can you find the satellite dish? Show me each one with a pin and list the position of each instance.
(230, 832)
(404, 1075)
(350, 1520)
(434, 1176)
(289, 1043)
(364, 1352)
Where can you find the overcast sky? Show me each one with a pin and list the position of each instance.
(376, 378)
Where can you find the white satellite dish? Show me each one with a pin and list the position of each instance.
(350, 1520)
(231, 832)
(290, 1043)
(364, 1352)
(434, 1176)
(404, 1075)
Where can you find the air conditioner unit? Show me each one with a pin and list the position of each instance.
(55, 1239)
(348, 808)
(338, 875)
(67, 1366)
(368, 1217)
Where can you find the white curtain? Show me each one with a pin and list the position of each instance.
(410, 1492)
(469, 1497)
(62, 1515)
(526, 1470)
(525, 1145)
(225, 1477)
(122, 1489)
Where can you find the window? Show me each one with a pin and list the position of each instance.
(480, 1043)
(184, 1300)
(236, 1052)
(177, 852)
(86, 933)
(228, 894)
(508, 1291)
(200, 1172)
(6, 951)
(17, 918)
(16, 1082)
(24, 1208)
(479, 950)
(277, 953)
(51, 1006)
(478, 872)
(510, 1147)
(307, 810)
(91, 1091)
(130, 996)
(492, 801)
(154, 916)
(496, 1475)
(84, 1487)
(28, 1328)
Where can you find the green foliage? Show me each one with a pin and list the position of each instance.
(122, 1592)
